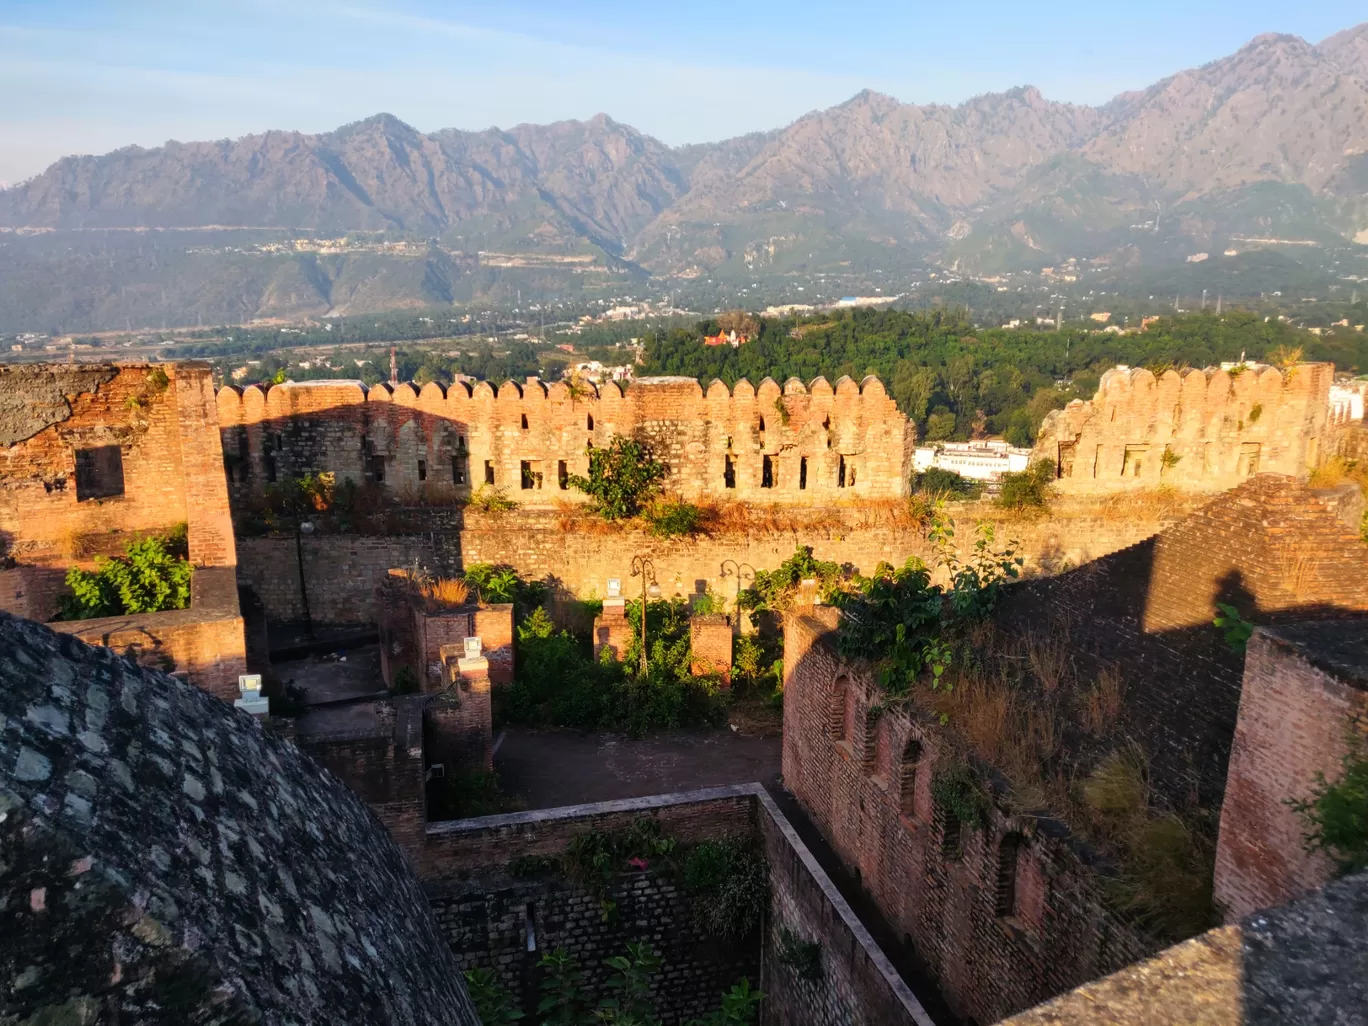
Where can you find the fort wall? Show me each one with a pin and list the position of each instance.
(1200, 430)
(799, 444)
(342, 570)
(1000, 917)
(1305, 695)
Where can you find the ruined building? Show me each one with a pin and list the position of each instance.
(1204, 430)
(94, 456)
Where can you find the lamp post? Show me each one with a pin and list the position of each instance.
(744, 571)
(642, 567)
(303, 527)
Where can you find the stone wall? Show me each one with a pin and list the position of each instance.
(1000, 917)
(1305, 693)
(1203, 430)
(342, 571)
(168, 860)
(800, 444)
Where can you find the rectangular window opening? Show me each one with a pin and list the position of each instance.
(458, 470)
(489, 472)
(802, 473)
(422, 470)
(377, 469)
(841, 473)
(767, 472)
(270, 468)
(531, 475)
(530, 923)
(729, 473)
(99, 473)
(562, 475)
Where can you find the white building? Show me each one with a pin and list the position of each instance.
(979, 461)
(1347, 401)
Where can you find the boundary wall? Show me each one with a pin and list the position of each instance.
(1201, 430)
(799, 444)
(1001, 917)
(465, 864)
(342, 570)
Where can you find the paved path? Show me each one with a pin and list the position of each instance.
(549, 768)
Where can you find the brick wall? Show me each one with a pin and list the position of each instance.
(342, 571)
(788, 445)
(167, 448)
(1216, 428)
(1270, 548)
(710, 643)
(1305, 691)
(865, 782)
(206, 642)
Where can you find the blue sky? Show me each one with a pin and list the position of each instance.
(83, 77)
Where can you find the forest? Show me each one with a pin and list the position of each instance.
(957, 381)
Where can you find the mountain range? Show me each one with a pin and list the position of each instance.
(1268, 143)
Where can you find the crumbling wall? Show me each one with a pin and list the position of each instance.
(799, 444)
(176, 862)
(1203, 430)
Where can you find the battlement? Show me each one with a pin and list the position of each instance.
(772, 443)
(1203, 430)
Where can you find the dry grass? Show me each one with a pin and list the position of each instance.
(1100, 705)
(1162, 503)
(1335, 470)
(1048, 654)
(1297, 563)
(444, 592)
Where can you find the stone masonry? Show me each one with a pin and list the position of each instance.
(166, 860)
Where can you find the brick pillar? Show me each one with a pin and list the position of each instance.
(612, 630)
(710, 645)
(206, 485)
(458, 724)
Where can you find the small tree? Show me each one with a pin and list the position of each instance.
(151, 576)
(622, 478)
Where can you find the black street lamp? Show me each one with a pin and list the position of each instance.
(303, 527)
(744, 572)
(642, 567)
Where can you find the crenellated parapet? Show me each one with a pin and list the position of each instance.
(1203, 430)
(796, 443)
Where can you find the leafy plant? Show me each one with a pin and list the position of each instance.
(153, 575)
(674, 518)
(1170, 459)
(630, 987)
(728, 883)
(562, 988)
(958, 790)
(593, 858)
(1235, 628)
(405, 682)
(1336, 815)
(1255, 412)
(708, 604)
(1026, 490)
(739, 1007)
(621, 479)
(772, 589)
(488, 499)
(495, 583)
(804, 957)
(493, 1003)
(946, 484)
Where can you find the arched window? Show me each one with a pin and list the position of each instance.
(1008, 852)
(836, 708)
(762, 425)
(907, 784)
(589, 422)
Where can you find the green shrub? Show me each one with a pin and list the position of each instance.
(621, 479)
(493, 1003)
(958, 790)
(1027, 489)
(461, 794)
(488, 499)
(946, 483)
(739, 1007)
(153, 575)
(804, 957)
(728, 886)
(674, 519)
(1234, 628)
(405, 682)
(1336, 814)
(771, 589)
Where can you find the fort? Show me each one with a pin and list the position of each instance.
(887, 898)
